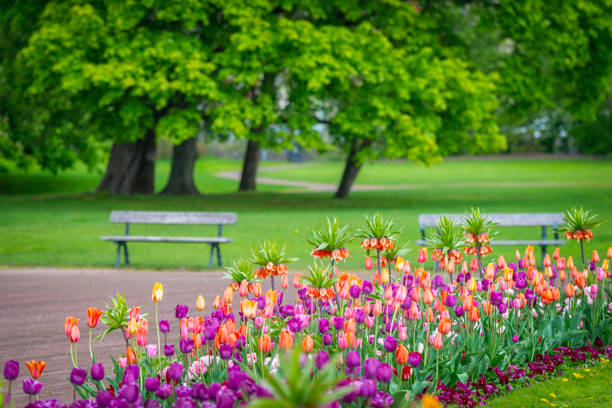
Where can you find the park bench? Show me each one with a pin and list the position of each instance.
(169, 218)
(543, 220)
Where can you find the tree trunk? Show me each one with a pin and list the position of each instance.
(351, 169)
(131, 167)
(249, 167)
(184, 157)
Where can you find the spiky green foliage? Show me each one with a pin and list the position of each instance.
(448, 236)
(330, 237)
(303, 385)
(377, 227)
(240, 269)
(473, 222)
(270, 252)
(116, 316)
(318, 276)
(397, 250)
(579, 219)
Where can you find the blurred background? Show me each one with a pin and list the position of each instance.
(288, 112)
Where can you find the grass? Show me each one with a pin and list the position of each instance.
(589, 387)
(45, 221)
(592, 173)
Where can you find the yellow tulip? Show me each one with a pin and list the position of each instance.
(158, 292)
(200, 303)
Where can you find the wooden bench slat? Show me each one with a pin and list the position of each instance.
(173, 217)
(145, 238)
(502, 219)
(534, 242)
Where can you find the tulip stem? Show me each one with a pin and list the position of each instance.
(91, 354)
(158, 340)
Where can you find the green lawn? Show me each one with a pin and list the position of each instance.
(45, 222)
(592, 173)
(575, 389)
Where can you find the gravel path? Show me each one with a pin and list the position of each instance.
(307, 186)
(36, 301)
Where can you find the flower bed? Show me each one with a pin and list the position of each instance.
(398, 333)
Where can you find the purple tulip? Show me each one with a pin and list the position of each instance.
(213, 389)
(327, 339)
(390, 344)
(31, 387)
(104, 398)
(359, 316)
(502, 308)
(183, 391)
(437, 281)
(78, 376)
(152, 384)
(370, 367)
(485, 284)
(459, 311)
(529, 295)
(384, 373)
(414, 359)
(354, 291)
(97, 372)
(338, 322)
(169, 350)
(129, 392)
(294, 325)
(323, 326)
(321, 359)
(199, 391)
(164, 391)
(131, 373)
(287, 310)
(368, 388)
(185, 402)
(11, 370)
(181, 311)
(366, 287)
(521, 283)
(496, 297)
(408, 280)
(515, 338)
(186, 345)
(164, 326)
(353, 359)
(225, 398)
(175, 371)
(381, 400)
(226, 351)
(152, 403)
(521, 264)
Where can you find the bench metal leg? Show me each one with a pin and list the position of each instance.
(118, 258)
(212, 254)
(219, 255)
(125, 253)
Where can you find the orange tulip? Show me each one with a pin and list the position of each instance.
(556, 253)
(286, 340)
(569, 290)
(93, 315)
(609, 253)
(36, 368)
(546, 262)
(570, 263)
(350, 326)
(445, 325)
(429, 316)
(158, 292)
(130, 355)
(401, 354)
(595, 257)
(68, 323)
(243, 289)
(501, 262)
(265, 343)
(75, 334)
(428, 298)
(468, 303)
(474, 315)
(228, 295)
(307, 344)
(384, 276)
(437, 342)
(248, 308)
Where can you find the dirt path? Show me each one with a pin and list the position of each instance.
(36, 301)
(307, 186)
